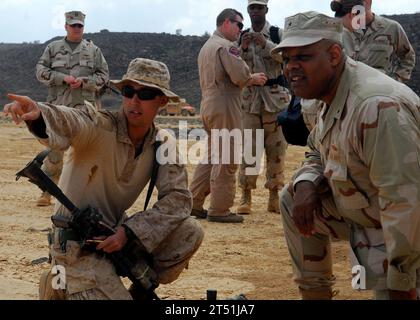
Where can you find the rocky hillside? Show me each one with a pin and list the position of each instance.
(17, 61)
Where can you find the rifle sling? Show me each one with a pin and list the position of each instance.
(154, 176)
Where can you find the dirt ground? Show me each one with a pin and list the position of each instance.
(249, 258)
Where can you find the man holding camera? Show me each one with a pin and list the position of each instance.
(262, 104)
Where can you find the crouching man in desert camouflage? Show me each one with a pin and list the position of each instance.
(361, 180)
(111, 156)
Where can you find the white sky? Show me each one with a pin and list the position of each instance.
(30, 20)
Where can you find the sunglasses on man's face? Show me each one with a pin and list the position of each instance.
(238, 23)
(145, 94)
(77, 25)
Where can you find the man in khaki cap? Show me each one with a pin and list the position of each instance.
(262, 104)
(346, 189)
(74, 70)
(111, 158)
(223, 74)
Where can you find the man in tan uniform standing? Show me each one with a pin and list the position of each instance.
(261, 106)
(74, 70)
(361, 180)
(382, 44)
(111, 160)
(223, 74)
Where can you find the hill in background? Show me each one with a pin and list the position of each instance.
(17, 61)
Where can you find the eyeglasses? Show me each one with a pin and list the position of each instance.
(145, 94)
(76, 25)
(238, 23)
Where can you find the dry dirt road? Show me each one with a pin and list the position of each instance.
(249, 258)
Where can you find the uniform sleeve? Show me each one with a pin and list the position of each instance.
(235, 67)
(390, 140)
(44, 72)
(312, 168)
(66, 126)
(174, 205)
(406, 56)
(100, 77)
(266, 52)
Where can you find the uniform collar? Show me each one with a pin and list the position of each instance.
(217, 33)
(376, 24)
(77, 49)
(335, 110)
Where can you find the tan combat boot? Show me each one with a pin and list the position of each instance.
(323, 293)
(44, 200)
(245, 205)
(273, 202)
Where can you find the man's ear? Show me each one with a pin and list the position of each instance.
(336, 54)
(163, 100)
(266, 10)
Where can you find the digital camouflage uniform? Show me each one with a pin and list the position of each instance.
(59, 60)
(261, 106)
(102, 172)
(365, 163)
(106, 171)
(223, 74)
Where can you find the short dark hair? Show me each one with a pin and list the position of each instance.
(229, 14)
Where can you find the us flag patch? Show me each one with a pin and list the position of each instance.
(234, 51)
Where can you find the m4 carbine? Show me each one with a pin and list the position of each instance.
(132, 261)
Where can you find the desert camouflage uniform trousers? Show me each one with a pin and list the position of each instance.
(311, 256)
(90, 276)
(275, 146)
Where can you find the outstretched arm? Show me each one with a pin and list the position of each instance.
(22, 109)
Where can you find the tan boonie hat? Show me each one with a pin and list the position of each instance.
(74, 17)
(149, 73)
(308, 28)
(261, 2)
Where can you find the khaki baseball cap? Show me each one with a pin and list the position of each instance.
(308, 28)
(149, 73)
(73, 17)
(261, 2)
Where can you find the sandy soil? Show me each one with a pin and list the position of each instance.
(249, 258)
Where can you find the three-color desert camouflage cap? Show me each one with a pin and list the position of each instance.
(307, 28)
(74, 17)
(148, 73)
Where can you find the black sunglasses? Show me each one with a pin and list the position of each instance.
(76, 25)
(238, 23)
(145, 94)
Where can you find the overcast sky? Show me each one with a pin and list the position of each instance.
(31, 20)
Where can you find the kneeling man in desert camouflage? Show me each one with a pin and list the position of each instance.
(361, 180)
(111, 160)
